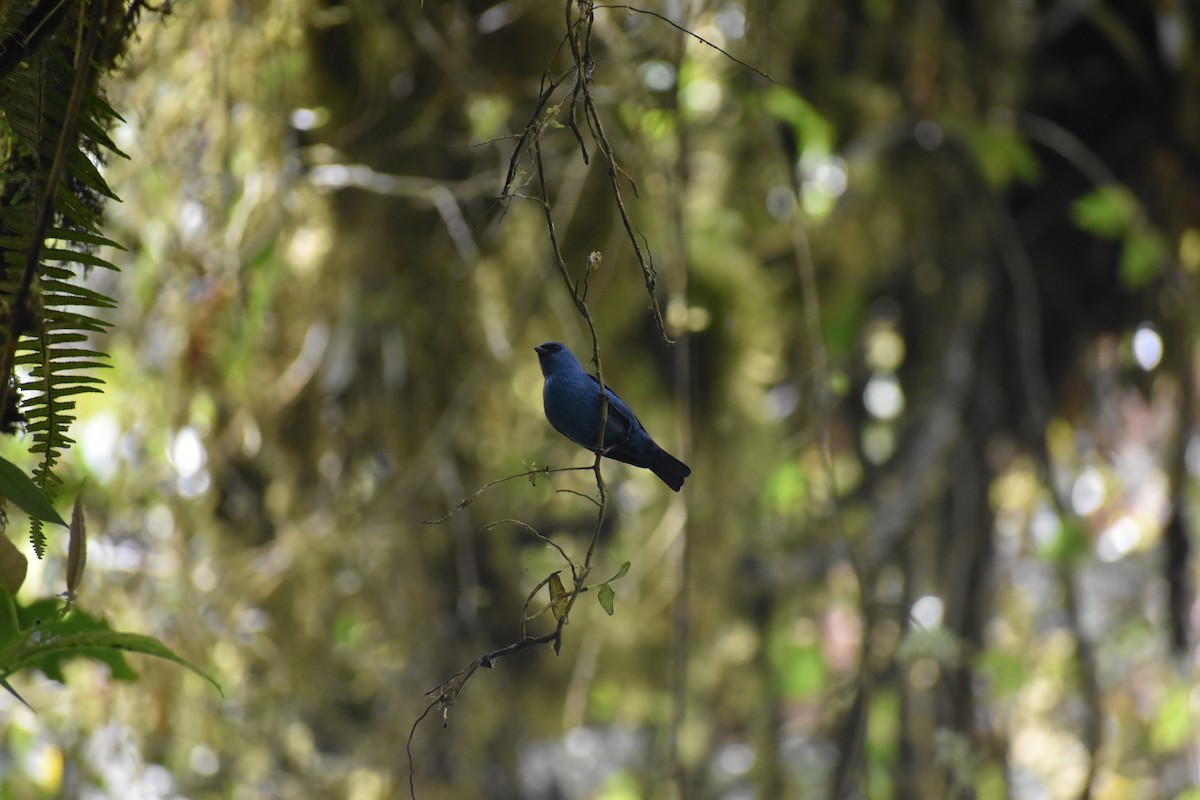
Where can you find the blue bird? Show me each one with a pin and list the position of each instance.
(571, 398)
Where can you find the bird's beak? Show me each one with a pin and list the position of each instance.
(538, 350)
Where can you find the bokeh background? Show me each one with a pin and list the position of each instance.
(933, 289)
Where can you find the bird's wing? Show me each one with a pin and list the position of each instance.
(620, 416)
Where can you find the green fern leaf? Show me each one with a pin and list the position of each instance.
(39, 105)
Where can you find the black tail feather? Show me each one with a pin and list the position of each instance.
(670, 470)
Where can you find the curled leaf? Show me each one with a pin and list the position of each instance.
(558, 597)
(76, 550)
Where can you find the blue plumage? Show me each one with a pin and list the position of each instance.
(571, 398)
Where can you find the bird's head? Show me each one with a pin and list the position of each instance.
(554, 356)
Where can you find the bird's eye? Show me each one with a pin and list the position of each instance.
(554, 348)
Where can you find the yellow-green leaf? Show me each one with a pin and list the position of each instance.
(13, 566)
(1106, 211)
(813, 131)
(558, 597)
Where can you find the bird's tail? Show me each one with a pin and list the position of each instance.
(669, 469)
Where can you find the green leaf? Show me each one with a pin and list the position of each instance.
(1106, 211)
(20, 488)
(786, 489)
(1003, 155)
(813, 131)
(796, 659)
(1005, 671)
(1142, 258)
(606, 595)
(1068, 546)
(803, 673)
(53, 646)
(621, 573)
(46, 619)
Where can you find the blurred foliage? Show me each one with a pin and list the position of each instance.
(934, 373)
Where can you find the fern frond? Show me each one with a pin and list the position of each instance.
(82, 257)
(84, 239)
(53, 134)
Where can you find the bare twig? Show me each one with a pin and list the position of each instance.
(693, 34)
(644, 259)
(578, 37)
(587, 497)
(412, 789)
(525, 617)
(535, 532)
(583, 73)
(529, 473)
(531, 129)
(448, 691)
